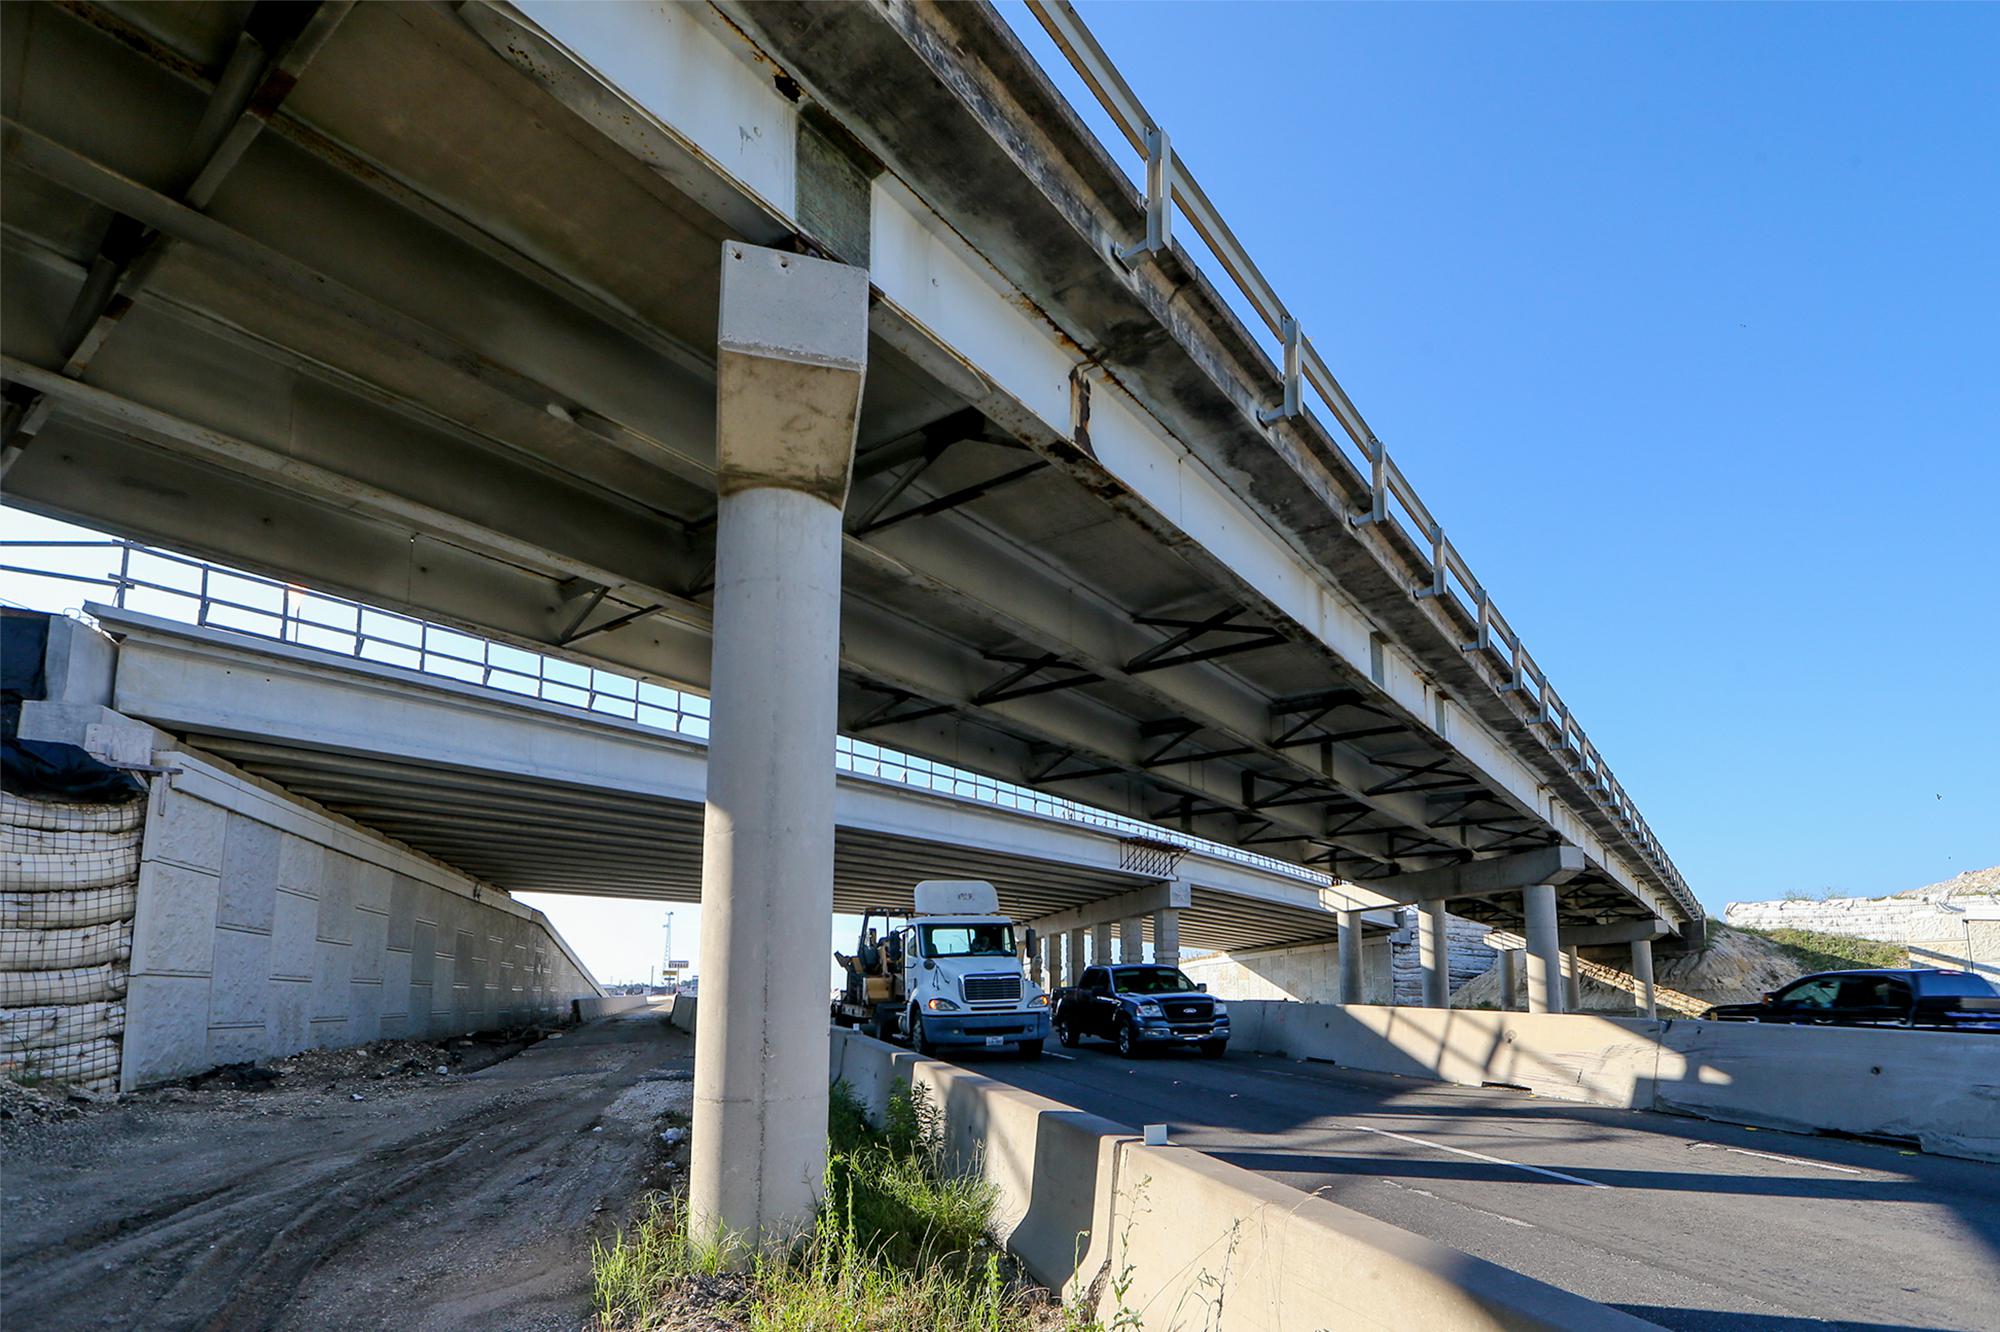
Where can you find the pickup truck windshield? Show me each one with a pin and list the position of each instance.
(1152, 980)
(968, 940)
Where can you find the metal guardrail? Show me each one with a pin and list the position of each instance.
(194, 591)
(1393, 501)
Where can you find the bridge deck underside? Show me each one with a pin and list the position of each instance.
(437, 343)
(532, 835)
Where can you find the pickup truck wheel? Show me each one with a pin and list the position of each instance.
(1066, 1033)
(1031, 1049)
(1128, 1040)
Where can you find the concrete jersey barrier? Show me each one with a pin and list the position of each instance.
(1180, 1240)
(1939, 1089)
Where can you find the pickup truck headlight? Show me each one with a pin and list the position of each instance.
(1039, 1001)
(1221, 1009)
(942, 1005)
(1147, 1008)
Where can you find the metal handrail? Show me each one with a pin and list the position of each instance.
(1169, 182)
(329, 623)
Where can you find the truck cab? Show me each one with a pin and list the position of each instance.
(950, 978)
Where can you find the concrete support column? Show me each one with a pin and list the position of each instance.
(1077, 961)
(1167, 936)
(1642, 971)
(792, 350)
(1100, 944)
(1132, 939)
(1351, 980)
(1434, 954)
(1510, 976)
(1572, 981)
(1538, 906)
(1052, 953)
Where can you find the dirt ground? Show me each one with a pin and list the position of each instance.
(354, 1189)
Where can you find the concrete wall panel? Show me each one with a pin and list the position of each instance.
(265, 925)
(1939, 1089)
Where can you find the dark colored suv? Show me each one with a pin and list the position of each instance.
(1887, 997)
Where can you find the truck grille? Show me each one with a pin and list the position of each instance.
(1189, 1010)
(993, 989)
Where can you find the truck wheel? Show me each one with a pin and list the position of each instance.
(878, 1026)
(1214, 1049)
(1031, 1049)
(1128, 1040)
(918, 1041)
(1067, 1034)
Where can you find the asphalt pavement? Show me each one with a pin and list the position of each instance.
(1687, 1223)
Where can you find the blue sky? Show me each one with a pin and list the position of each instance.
(1683, 321)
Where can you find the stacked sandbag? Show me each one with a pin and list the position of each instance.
(69, 876)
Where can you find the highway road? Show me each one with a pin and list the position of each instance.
(1686, 1223)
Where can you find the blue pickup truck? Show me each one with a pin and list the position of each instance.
(1141, 1007)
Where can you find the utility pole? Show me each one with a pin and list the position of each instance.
(667, 958)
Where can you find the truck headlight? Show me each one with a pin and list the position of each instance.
(1039, 1001)
(1221, 1009)
(1147, 1008)
(942, 1005)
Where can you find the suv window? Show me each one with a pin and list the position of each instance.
(1959, 983)
(1814, 993)
(1873, 992)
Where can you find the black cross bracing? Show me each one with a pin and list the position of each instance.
(1178, 650)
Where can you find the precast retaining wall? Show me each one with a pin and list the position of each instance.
(1190, 1241)
(1938, 1089)
(266, 925)
(69, 877)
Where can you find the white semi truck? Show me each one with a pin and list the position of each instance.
(949, 977)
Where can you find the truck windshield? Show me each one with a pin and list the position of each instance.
(1153, 980)
(968, 940)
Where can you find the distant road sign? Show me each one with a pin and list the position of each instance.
(678, 966)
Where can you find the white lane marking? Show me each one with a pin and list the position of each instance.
(1053, 1055)
(1795, 1160)
(1497, 1216)
(1481, 1156)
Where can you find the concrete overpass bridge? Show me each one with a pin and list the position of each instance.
(760, 346)
(533, 796)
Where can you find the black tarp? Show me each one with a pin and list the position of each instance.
(36, 767)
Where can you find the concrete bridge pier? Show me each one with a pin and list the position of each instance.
(1642, 971)
(1510, 975)
(1538, 909)
(1073, 969)
(1434, 954)
(1167, 936)
(792, 354)
(1572, 979)
(1351, 980)
(1100, 943)
(1132, 939)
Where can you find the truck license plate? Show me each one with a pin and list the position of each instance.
(996, 1040)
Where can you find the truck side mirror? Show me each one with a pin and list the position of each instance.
(1203, 987)
(1032, 939)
